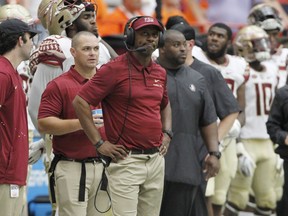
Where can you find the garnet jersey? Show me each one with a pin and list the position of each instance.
(259, 94)
(235, 71)
(281, 59)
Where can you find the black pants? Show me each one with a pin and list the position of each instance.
(282, 205)
(183, 200)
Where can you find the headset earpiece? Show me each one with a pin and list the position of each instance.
(161, 40)
(129, 33)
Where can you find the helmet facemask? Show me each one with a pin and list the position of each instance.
(252, 43)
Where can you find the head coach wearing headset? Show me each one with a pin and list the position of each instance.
(137, 120)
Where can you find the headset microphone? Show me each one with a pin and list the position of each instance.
(139, 49)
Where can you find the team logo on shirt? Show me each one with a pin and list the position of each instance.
(192, 88)
(157, 83)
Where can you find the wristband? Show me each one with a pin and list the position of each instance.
(169, 133)
(217, 154)
(99, 143)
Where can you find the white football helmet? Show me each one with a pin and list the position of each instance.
(57, 15)
(266, 17)
(252, 43)
(17, 11)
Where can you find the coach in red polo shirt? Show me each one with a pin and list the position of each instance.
(137, 118)
(15, 46)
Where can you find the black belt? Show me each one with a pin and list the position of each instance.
(144, 151)
(86, 160)
(56, 159)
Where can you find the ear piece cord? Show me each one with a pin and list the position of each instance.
(102, 181)
(129, 100)
(104, 178)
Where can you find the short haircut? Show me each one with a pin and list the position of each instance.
(9, 41)
(223, 26)
(75, 39)
(170, 33)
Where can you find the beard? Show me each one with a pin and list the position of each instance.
(82, 26)
(216, 55)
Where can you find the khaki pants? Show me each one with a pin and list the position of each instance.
(67, 180)
(10, 206)
(136, 185)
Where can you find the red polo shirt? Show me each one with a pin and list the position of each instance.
(132, 97)
(13, 126)
(57, 101)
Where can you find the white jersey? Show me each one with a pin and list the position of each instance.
(198, 52)
(281, 59)
(50, 60)
(259, 94)
(235, 71)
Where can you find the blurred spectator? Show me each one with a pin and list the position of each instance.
(195, 13)
(148, 7)
(171, 8)
(119, 17)
(231, 12)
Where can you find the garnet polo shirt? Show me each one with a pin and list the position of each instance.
(57, 101)
(13, 126)
(132, 97)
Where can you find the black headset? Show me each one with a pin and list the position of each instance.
(129, 32)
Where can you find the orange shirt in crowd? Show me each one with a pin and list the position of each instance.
(102, 9)
(115, 22)
(167, 12)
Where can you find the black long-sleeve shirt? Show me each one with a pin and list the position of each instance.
(277, 124)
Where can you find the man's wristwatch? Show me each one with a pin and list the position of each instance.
(169, 133)
(217, 154)
(99, 143)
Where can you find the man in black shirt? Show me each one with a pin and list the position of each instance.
(225, 103)
(192, 110)
(277, 127)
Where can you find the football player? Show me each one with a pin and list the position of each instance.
(235, 71)
(256, 157)
(267, 17)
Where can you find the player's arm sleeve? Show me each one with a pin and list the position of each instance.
(208, 122)
(208, 114)
(44, 74)
(224, 100)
